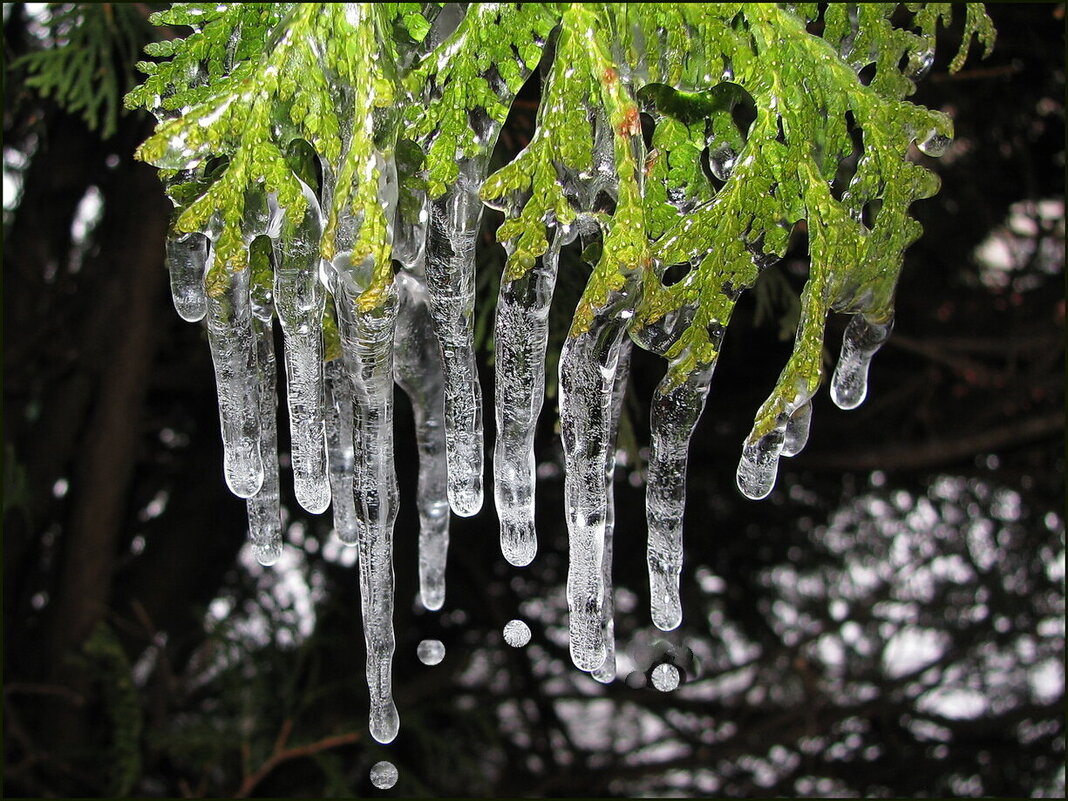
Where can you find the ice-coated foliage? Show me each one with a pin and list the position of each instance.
(328, 166)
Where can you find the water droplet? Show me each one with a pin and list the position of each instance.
(760, 464)
(934, 144)
(430, 652)
(665, 677)
(384, 775)
(721, 159)
(919, 64)
(516, 633)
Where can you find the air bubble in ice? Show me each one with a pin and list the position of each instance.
(384, 775)
(430, 652)
(516, 633)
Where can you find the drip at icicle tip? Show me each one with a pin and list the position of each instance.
(384, 774)
(759, 464)
(430, 652)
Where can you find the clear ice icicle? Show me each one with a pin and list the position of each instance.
(588, 365)
(417, 369)
(300, 299)
(186, 256)
(230, 337)
(760, 463)
(606, 673)
(797, 427)
(367, 343)
(339, 447)
(450, 278)
(676, 408)
(521, 332)
(264, 512)
(849, 385)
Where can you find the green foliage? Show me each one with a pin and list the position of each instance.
(830, 150)
(106, 661)
(85, 63)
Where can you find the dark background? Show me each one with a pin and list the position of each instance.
(890, 622)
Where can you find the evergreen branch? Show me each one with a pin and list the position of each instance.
(281, 754)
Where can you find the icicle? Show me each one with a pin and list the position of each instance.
(673, 418)
(300, 300)
(450, 278)
(230, 337)
(797, 427)
(339, 446)
(521, 331)
(606, 673)
(417, 369)
(264, 513)
(186, 256)
(588, 365)
(863, 337)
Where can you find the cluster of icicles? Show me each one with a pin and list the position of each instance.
(341, 411)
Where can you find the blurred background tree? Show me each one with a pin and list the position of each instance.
(889, 622)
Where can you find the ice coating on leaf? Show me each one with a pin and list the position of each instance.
(186, 257)
(675, 411)
(417, 369)
(450, 279)
(588, 365)
(606, 673)
(521, 332)
(862, 338)
(300, 299)
(264, 512)
(340, 450)
(230, 337)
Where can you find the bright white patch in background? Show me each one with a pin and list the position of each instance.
(1032, 234)
(60, 488)
(912, 649)
(86, 218)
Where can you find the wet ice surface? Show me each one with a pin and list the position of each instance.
(516, 633)
(384, 775)
(186, 257)
(430, 652)
(862, 338)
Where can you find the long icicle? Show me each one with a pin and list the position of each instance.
(450, 276)
(229, 325)
(521, 333)
(675, 411)
(342, 457)
(418, 370)
(300, 300)
(264, 509)
(588, 365)
(606, 673)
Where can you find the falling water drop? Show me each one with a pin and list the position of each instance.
(430, 652)
(516, 633)
(665, 677)
(384, 775)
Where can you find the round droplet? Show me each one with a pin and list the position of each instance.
(721, 160)
(934, 144)
(516, 633)
(665, 677)
(430, 652)
(384, 775)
